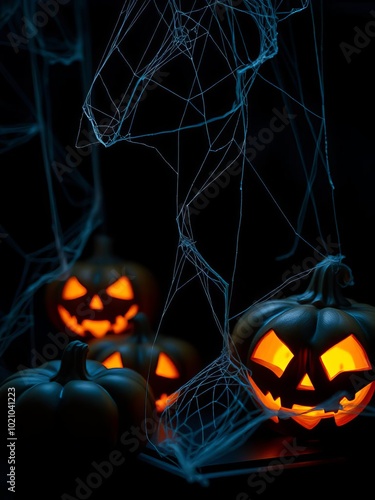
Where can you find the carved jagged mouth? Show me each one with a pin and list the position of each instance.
(310, 416)
(97, 328)
(166, 400)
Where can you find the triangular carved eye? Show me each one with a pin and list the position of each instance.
(113, 361)
(345, 356)
(121, 289)
(272, 353)
(73, 289)
(165, 367)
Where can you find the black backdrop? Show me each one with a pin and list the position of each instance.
(139, 202)
(139, 189)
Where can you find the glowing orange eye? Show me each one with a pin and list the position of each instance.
(347, 355)
(73, 289)
(166, 367)
(121, 289)
(113, 361)
(272, 353)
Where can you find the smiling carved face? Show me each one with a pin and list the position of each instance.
(101, 294)
(309, 384)
(310, 357)
(92, 309)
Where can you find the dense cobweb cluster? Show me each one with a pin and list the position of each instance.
(215, 46)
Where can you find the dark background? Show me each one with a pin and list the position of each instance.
(139, 202)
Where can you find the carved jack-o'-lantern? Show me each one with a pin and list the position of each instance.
(165, 362)
(310, 357)
(101, 294)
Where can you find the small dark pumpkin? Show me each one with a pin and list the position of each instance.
(165, 362)
(101, 294)
(310, 357)
(76, 404)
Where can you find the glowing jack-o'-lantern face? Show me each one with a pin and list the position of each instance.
(310, 357)
(165, 362)
(101, 294)
(286, 380)
(97, 320)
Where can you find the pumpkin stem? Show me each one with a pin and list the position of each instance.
(327, 281)
(142, 328)
(103, 251)
(73, 363)
(103, 246)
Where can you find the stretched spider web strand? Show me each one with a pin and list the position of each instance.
(190, 440)
(45, 52)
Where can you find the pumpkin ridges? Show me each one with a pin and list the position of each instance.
(364, 315)
(115, 400)
(37, 404)
(87, 409)
(70, 409)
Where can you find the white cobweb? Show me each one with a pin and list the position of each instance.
(178, 77)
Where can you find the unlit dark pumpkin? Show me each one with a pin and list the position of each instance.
(78, 404)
